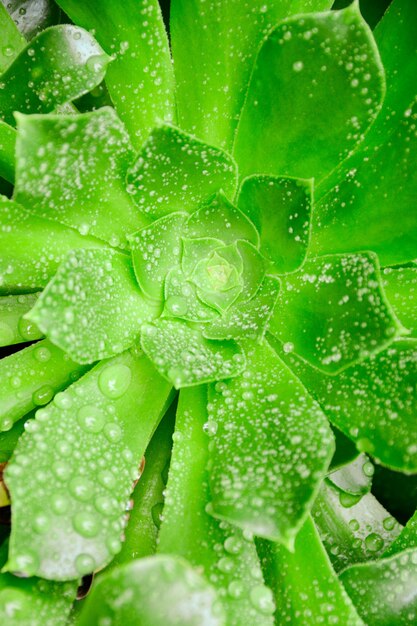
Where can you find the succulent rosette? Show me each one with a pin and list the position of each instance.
(208, 253)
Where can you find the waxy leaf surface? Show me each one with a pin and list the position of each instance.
(228, 556)
(366, 204)
(333, 311)
(157, 591)
(310, 69)
(373, 403)
(212, 77)
(176, 172)
(280, 209)
(32, 247)
(73, 471)
(183, 356)
(31, 377)
(271, 448)
(72, 169)
(305, 586)
(59, 65)
(140, 77)
(92, 308)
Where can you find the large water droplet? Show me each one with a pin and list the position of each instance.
(114, 380)
(91, 418)
(86, 524)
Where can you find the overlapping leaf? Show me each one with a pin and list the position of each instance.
(228, 556)
(73, 471)
(271, 447)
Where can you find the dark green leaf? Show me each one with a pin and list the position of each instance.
(272, 446)
(310, 70)
(72, 169)
(280, 209)
(93, 308)
(59, 65)
(333, 311)
(140, 78)
(73, 471)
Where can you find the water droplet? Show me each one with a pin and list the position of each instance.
(235, 589)
(210, 427)
(114, 545)
(114, 380)
(27, 329)
(374, 542)
(347, 499)
(26, 562)
(41, 523)
(113, 432)
(61, 470)
(389, 523)
(233, 545)
(262, 599)
(354, 524)
(368, 469)
(86, 524)
(226, 564)
(59, 503)
(177, 306)
(298, 66)
(106, 479)
(288, 347)
(43, 395)
(81, 488)
(6, 423)
(91, 418)
(84, 564)
(42, 354)
(105, 505)
(8, 51)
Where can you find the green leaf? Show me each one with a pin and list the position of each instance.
(155, 250)
(333, 312)
(280, 209)
(148, 498)
(219, 219)
(72, 472)
(310, 69)
(183, 356)
(345, 452)
(366, 203)
(384, 591)
(226, 556)
(59, 65)
(355, 478)
(272, 446)
(32, 247)
(176, 172)
(214, 45)
(31, 377)
(12, 41)
(140, 78)
(13, 328)
(305, 586)
(35, 602)
(254, 270)
(246, 320)
(401, 288)
(406, 539)
(157, 591)
(9, 439)
(352, 529)
(92, 308)
(7, 150)
(181, 299)
(72, 169)
(373, 402)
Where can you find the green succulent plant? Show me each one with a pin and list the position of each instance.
(212, 263)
